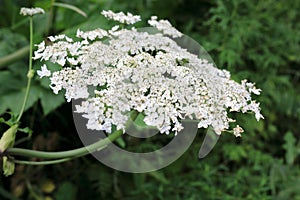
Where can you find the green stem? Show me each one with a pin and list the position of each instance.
(25, 99)
(66, 154)
(47, 162)
(30, 73)
(32, 193)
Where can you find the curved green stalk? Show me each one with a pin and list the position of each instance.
(56, 161)
(66, 154)
(30, 72)
(47, 162)
(11, 58)
(71, 7)
(63, 156)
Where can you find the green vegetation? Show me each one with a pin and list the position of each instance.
(255, 40)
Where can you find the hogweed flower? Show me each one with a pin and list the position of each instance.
(31, 11)
(148, 73)
(165, 27)
(44, 72)
(121, 17)
(237, 131)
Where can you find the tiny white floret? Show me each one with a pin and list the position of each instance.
(44, 72)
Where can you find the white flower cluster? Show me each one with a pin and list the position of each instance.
(121, 17)
(149, 73)
(92, 35)
(31, 11)
(164, 26)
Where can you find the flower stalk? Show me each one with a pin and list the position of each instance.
(66, 154)
(63, 156)
(30, 73)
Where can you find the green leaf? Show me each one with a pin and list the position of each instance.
(160, 176)
(8, 82)
(51, 101)
(10, 41)
(139, 179)
(139, 121)
(26, 130)
(13, 100)
(45, 4)
(290, 147)
(11, 121)
(101, 179)
(66, 191)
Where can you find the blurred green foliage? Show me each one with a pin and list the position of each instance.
(257, 40)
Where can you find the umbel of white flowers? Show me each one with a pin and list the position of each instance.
(145, 72)
(31, 11)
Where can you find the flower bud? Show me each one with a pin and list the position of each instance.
(8, 138)
(8, 166)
